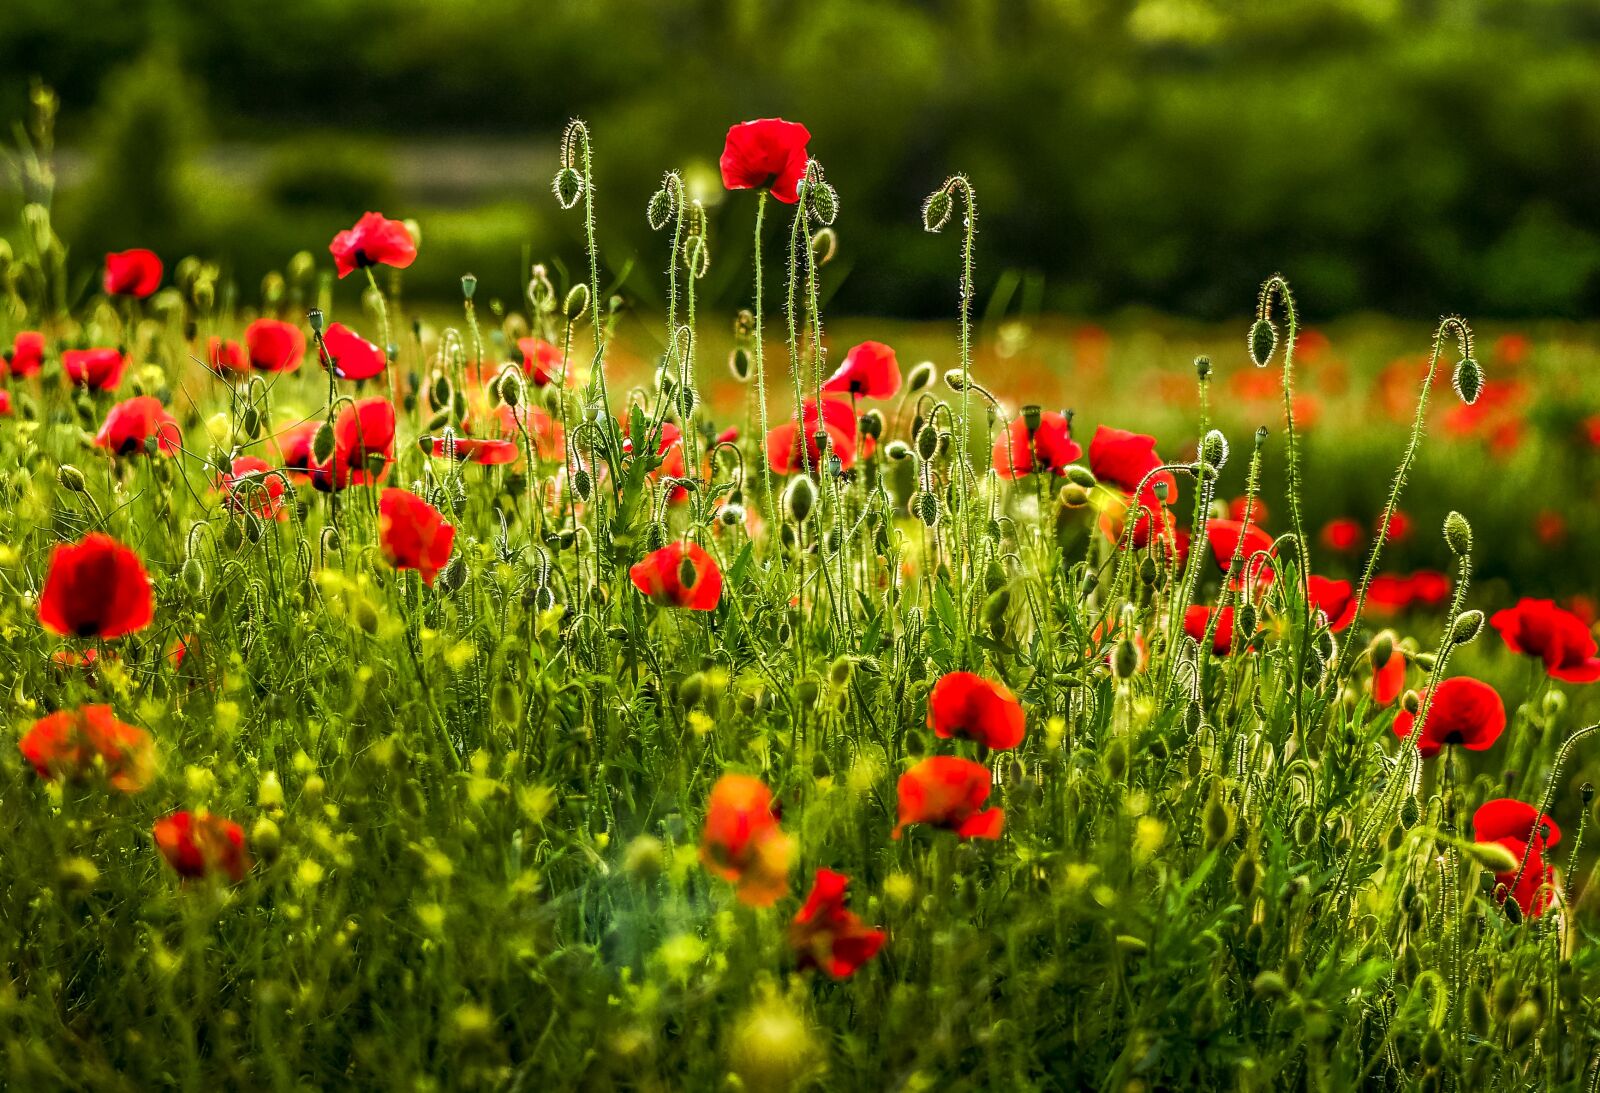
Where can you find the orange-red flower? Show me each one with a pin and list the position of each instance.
(135, 273)
(349, 355)
(375, 240)
(1335, 599)
(967, 705)
(27, 353)
(470, 450)
(743, 842)
(679, 575)
(827, 935)
(870, 370)
(199, 844)
(1197, 620)
(225, 357)
(75, 745)
(1558, 637)
(132, 424)
(1389, 679)
(1515, 825)
(1463, 711)
(768, 154)
(274, 346)
(96, 369)
(1343, 534)
(251, 485)
(413, 534)
(1226, 536)
(1122, 459)
(363, 435)
(793, 446)
(1048, 449)
(543, 363)
(948, 792)
(95, 588)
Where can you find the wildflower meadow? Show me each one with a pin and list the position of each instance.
(544, 690)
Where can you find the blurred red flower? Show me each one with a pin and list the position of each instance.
(792, 446)
(679, 575)
(1399, 529)
(1249, 540)
(274, 346)
(363, 434)
(1335, 599)
(95, 588)
(869, 371)
(96, 369)
(1389, 679)
(131, 424)
(225, 357)
(469, 450)
(1197, 620)
(543, 362)
(251, 485)
(967, 705)
(1343, 534)
(768, 154)
(1463, 711)
(1527, 834)
(27, 353)
(742, 841)
(135, 273)
(375, 240)
(350, 355)
(196, 844)
(948, 792)
(413, 534)
(1122, 459)
(76, 745)
(829, 936)
(1541, 629)
(1048, 449)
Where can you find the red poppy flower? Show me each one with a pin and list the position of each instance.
(1343, 534)
(1541, 629)
(1050, 448)
(468, 450)
(869, 371)
(1253, 507)
(95, 588)
(1335, 599)
(413, 534)
(769, 154)
(1429, 588)
(1389, 679)
(131, 424)
(545, 431)
(294, 445)
(196, 844)
(829, 936)
(375, 240)
(1512, 349)
(742, 841)
(1463, 711)
(225, 356)
(1514, 825)
(362, 433)
(679, 575)
(1227, 536)
(135, 273)
(252, 485)
(1399, 527)
(27, 353)
(967, 705)
(543, 363)
(1122, 459)
(5, 404)
(274, 346)
(96, 369)
(1197, 620)
(75, 745)
(350, 355)
(1591, 424)
(785, 454)
(948, 792)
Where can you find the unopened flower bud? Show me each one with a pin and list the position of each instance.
(71, 478)
(568, 187)
(799, 498)
(920, 377)
(1263, 342)
(1458, 534)
(1468, 380)
(936, 210)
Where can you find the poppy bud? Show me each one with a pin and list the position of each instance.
(920, 377)
(659, 210)
(1458, 534)
(581, 484)
(1410, 812)
(697, 256)
(1477, 1012)
(70, 477)
(1513, 912)
(1382, 648)
(936, 210)
(995, 607)
(541, 293)
(926, 505)
(1246, 874)
(440, 392)
(1269, 984)
(568, 187)
(644, 858)
(1213, 450)
(897, 450)
(1124, 659)
(469, 285)
(1493, 857)
(266, 840)
(1467, 626)
(322, 444)
(1555, 704)
(194, 576)
(839, 671)
(739, 363)
(1425, 661)
(1202, 367)
(1073, 496)
(731, 516)
(1468, 380)
(454, 575)
(1505, 996)
(1527, 1018)
(872, 424)
(954, 380)
(799, 498)
(1244, 620)
(1411, 702)
(1432, 1051)
(824, 200)
(232, 536)
(928, 442)
(1263, 342)
(1218, 818)
(577, 302)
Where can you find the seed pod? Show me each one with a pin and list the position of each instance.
(1202, 367)
(568, 187)
(1263, 342)
(1468, 380)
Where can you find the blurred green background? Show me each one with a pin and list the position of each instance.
(1407, 156)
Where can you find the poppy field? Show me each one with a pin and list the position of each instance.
(538, 693)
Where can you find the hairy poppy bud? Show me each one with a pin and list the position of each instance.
(659, 210)
(1468, 380)
(266, 840)
(928, 442)
(71, 478)
(824, 201)
(322, 444)
(936, 210)
(1073, 496)
(644, 858)
(1124, 658)
(897, 450)
(469, 285)
(1525, 1021)
(1246, 874)
(1381, 649)
(1214, 449)
(194, 576)
(1410, 812)
(739, 363)
(1263, 342)
(920, 377)
(1218, 818)
(1269, 984)
(582, 483)
(1411, 702)
(954, 380)
(926, 506)
(1478, 1011)
(1467, 626)
(799, 498)
(1458, 535)
(871, 424)
(1080, 475)
(568, 187)
(1493, 857)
